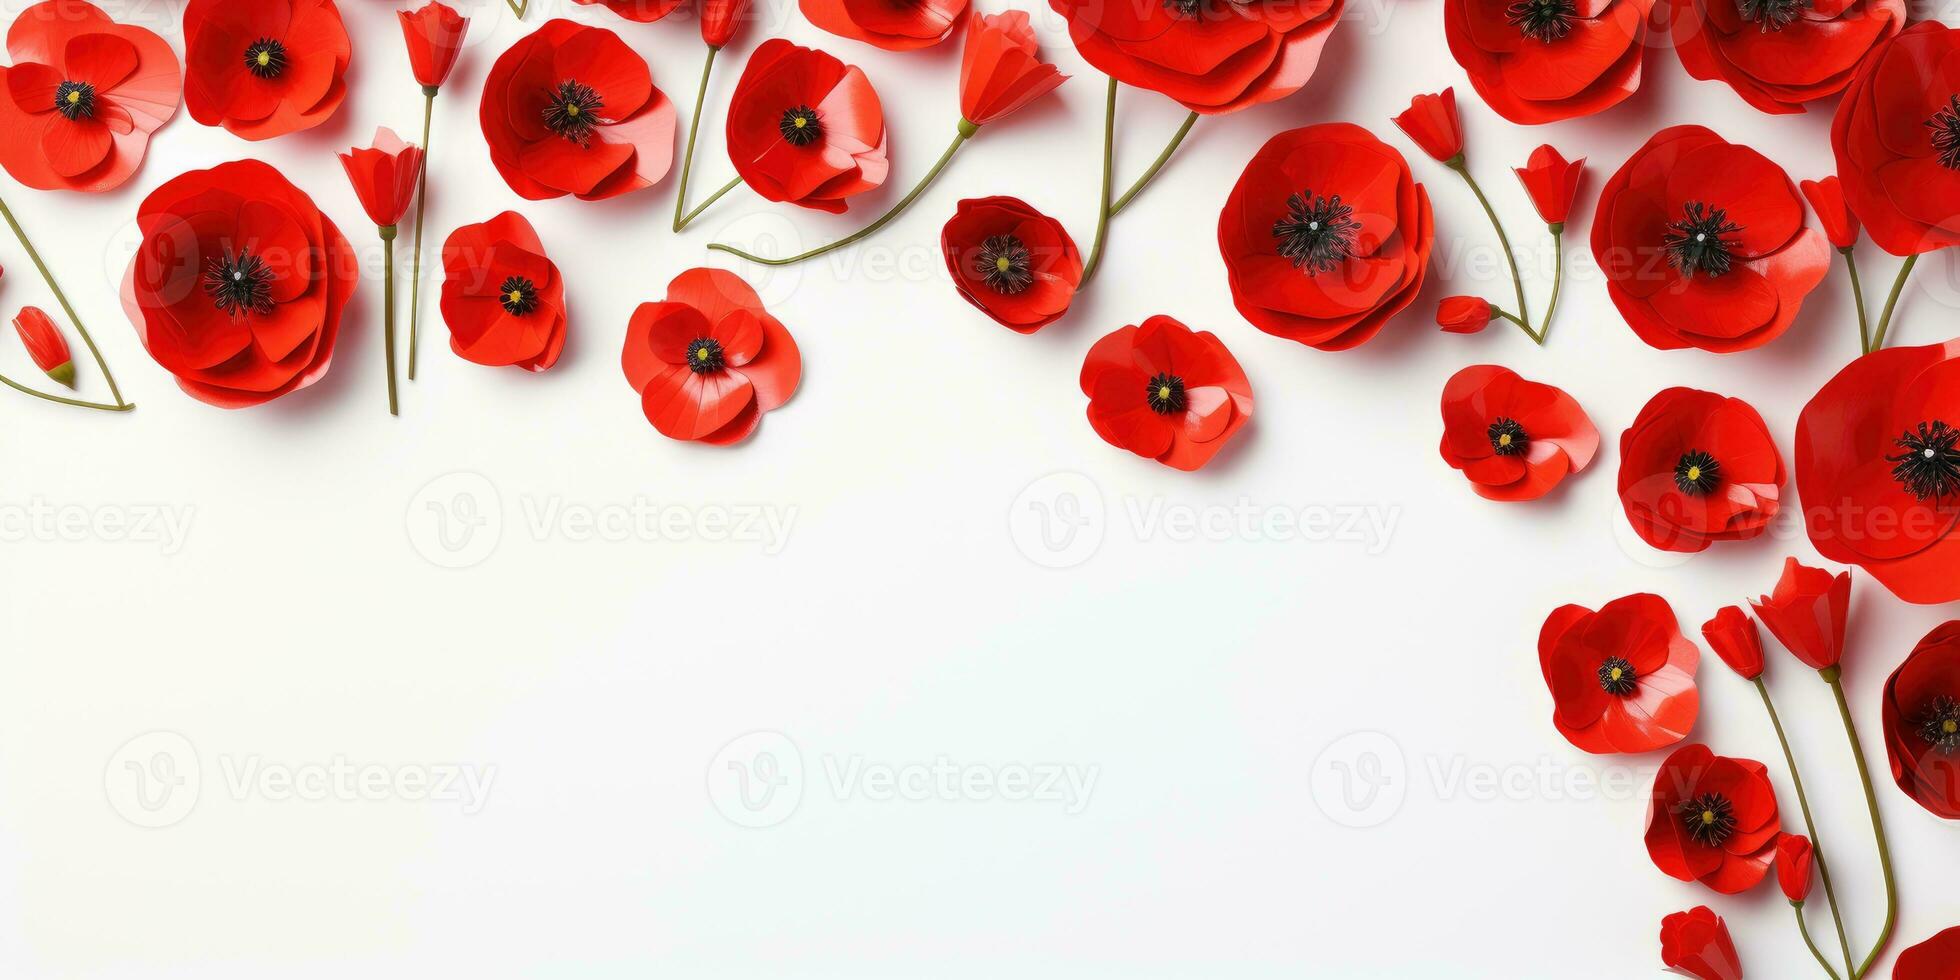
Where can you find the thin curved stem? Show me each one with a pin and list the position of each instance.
(388, 314)
(712, 198)
(1151, 174)
(1108, 172)
(517, 8)
(1558, 282)
(965, 133)
(78, 403)
(421, 208)
(1809, 826)
(1885, 318)
(1858, 299)
(1833, 676)
(66, 307)
(1497, 311)
(1804, 928)
(1517, 279)
(693, 127)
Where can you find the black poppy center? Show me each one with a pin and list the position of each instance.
(800, 126)
(572, 111)
(239, 284)
(519, 295)
(1317, 234)
(1695, 243)
(1166, 394)
(1543, 20)
(76, 100)
(1929, 465)
(704, 354)
(1939, 724)
(266, 58)
(1771, 15)
(1616, 677)
(1697, 474)
(1710, 818)
(1945, 125)
(1004, 264)
(1507, 437)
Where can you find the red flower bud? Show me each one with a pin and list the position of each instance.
(44, 345)
(1432, 122)
(1733, 636)
(1826, 197)
(720, 19)
(435, 37)
(1552, 181)
(1807, 612)
(1463, 314)
(384, 176)
(1793, 859)
(1001, 69)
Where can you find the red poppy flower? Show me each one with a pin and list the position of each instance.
(895, 25)
(1734, 638)
(86, 93)
(1713, 820)
(1826, 198)
(45, 345)
(1001, 69)
(644, 11)
(1623, 678)
(1539, 61)
(265, 68)
(1696, 468)
(1922, 723)
(720, 19)
(571, 109)
(1704, 245)
(709, 360)
(1213, 56)
(502, 298)
(1696, 944)
(1552, 181)
(1463, 314)
(434, 33)
(1878, 465)
(238, 284)
(1779, 55)
(1793, 861)
(1807, 612)
(1166, 393)
(1325, 236)
(384, 176)
(1896, 136)
(1937, 958)
(1431, 121)
(1514, 439)
(806, 128)
(1011, 262)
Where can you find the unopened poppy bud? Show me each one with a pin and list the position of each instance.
(45, 345)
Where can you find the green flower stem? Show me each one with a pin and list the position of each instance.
(421, 206)
(78, 403)
(1558, 280)
(1496, 311)
(1885, 318)
(1833, 676)
(388, 315)
(1102, 203)
(1804, 928)
(1151, 174)
(1809, 826)
(687, 155)
(1858, 299)
(518, 8)
(1517, 280)
(965, 133)
(66, 307)
(712, 198)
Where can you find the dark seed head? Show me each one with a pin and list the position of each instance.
(1929, 465)
(572, 111)
(266, 58)
(1695, 244)
(1317, 234)
(1543, 20)
(1945, 125)
(1004, 264)
(1710, 818)
(519, 295)
(1616, 678)
(1772, 15)
(239, 284)
(1939, 724)
(801, 126)
(1697, 474)
(704, 355)
(75, 100)
(1166, 394)
(1507, 437)
(1186, 9)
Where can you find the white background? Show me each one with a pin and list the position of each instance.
(1216, 691)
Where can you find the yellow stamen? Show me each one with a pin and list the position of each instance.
(1003, 263)
(1694, 473)
(265, 59)
(1505, 440)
